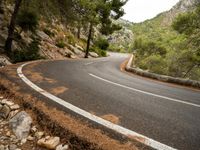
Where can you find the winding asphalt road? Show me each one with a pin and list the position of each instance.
(166, 113)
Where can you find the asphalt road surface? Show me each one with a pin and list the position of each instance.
(164, 112)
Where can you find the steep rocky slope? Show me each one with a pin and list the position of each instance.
(121, 40)
(50, 34)
(181, 7)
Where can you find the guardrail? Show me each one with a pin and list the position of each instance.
(180, 81)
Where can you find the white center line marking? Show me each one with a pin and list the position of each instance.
(124, 131)
(147, 93)
(89, 63)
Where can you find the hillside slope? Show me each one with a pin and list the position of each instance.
(161, 49)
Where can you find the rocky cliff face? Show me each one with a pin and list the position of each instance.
(181, 7)
(122, 38)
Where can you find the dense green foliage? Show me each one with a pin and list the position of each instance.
(26, 54)
(27, 20)
(102, 43)
(60, 44)
(100, 52)
(100, 46)
(170, 50)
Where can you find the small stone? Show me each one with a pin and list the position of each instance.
(14, 107)
(13, 113)
(6, 147)
(4, 112)
(30, 138)
(51, 143)
(3, 101)
(61, 147)
(8, 134)
(47, 137)
(23, 141)
(9, 103)
(1, 147)
(39, 135)
(13, 136)
(12, 147)
(33, 129)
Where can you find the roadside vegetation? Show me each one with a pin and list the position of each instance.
(167, 49)
(81, 18)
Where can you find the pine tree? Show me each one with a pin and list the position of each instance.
(101, 12)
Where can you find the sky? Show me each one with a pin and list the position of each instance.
(141, 10)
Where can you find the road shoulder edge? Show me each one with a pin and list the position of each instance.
(163, 78)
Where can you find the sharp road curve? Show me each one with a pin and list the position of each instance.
(167, 116)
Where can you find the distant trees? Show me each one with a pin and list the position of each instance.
(189, 25)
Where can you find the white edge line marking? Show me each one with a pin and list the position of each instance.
(147, 93)
(147, 141)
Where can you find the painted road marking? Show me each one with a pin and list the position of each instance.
(147, 141)
(144, 92)
(89, 63)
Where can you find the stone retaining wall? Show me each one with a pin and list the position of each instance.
(180, 81)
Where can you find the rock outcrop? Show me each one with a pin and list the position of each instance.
(181, 7)
(17, 129)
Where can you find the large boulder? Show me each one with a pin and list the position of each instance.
(76, 51)
(26, 37)
(43, 35)
(4, 61)
(79, 47)
(66, 52)
(93, 54)
(21, 125)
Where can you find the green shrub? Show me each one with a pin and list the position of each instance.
(27, 20)
(49, 33)
(27, 54)
(154, 63)
(61, 44)
(102, 44)
(71, 40)
(100, 52)
(103, 53)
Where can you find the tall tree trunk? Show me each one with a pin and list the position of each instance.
(11, 28)
(88, 40)
(78, 32)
